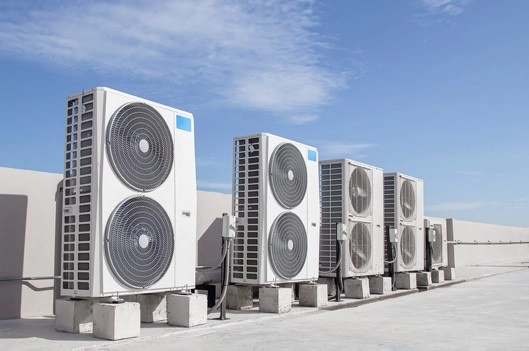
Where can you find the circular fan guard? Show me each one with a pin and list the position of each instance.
(407, 247)
(437, 247)
(360, 247)
(407, 200)
(288, 175)
(287, 245)
(360, 191)
(140, 146)
(139, 242)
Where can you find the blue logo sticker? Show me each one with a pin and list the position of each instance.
(183, 123)
(313, 155)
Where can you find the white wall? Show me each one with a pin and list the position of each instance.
(27, 237)
(210, 207)
(464, 254)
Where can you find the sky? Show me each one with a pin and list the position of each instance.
(435, 89)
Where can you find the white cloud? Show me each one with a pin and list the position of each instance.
(460, 206)
(258, 54)
(469, 173)
(221, 187)
(343, 149)
(449, 7)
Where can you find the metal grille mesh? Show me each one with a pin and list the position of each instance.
(437, 254)
(288, 175)
(140, 146)
(407, 200)
(360, 247)
(287, 245)
(139, 242)
(360, 191)
(407, 247)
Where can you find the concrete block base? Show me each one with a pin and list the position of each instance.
(239, 297)
(292, 288)
(73, 316)
(450, 273)
(331, 285)
(424, 278)
(313, 295)
(116, 321)
(406, 281)
(438, 276)
(153, 307)
(356, 288)
(187, 310)
(379, 285)
(275, 300)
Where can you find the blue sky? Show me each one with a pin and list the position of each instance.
(437, 89)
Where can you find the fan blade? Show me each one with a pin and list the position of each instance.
(359, 192)
(361, 254)
(408, 206)
(407, 253)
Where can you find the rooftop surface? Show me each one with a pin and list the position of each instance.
(489, 310)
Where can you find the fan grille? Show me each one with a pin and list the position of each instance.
(437, 252)
(139, 242)
(407, 247)
(288, 175)
(287, 244)
(360, 247)
(360, 191)
(140, 146)
(407, 200)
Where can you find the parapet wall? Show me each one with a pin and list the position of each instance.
(472, 243)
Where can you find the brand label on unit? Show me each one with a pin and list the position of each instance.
(313, 155)
(183, 123)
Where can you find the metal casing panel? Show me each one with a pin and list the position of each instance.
(440, 246)
(336, 205)
(394, 217)
(256, 208)
(96, 190)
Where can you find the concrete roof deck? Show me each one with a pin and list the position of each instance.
(490, 311)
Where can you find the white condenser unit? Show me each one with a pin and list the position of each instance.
(439, 246)
(352, 193)
(129, 204)
(276, 202)
(404, 211)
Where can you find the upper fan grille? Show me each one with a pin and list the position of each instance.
(140, 146)
(407, 247)
(360, 247)
(437, 254)
(288, 175)
(139, 242)
(360, 191)
(287, 245)
(407, 199)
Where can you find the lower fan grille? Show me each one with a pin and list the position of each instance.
(407, 247)
(360, 247)
(139, 242)
(437, 252)
(287, 244)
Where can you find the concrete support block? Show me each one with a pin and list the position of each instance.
(313, 295)
(424, 278)
(153, 307)
(331, 285)
(292, 287)
(356, 288)
(73, 316)
(379, 285)
(275, 300)
(239, 297)
(450, 273)
(438, 276)
(406, 281)
(116, 321)
(187, 310)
